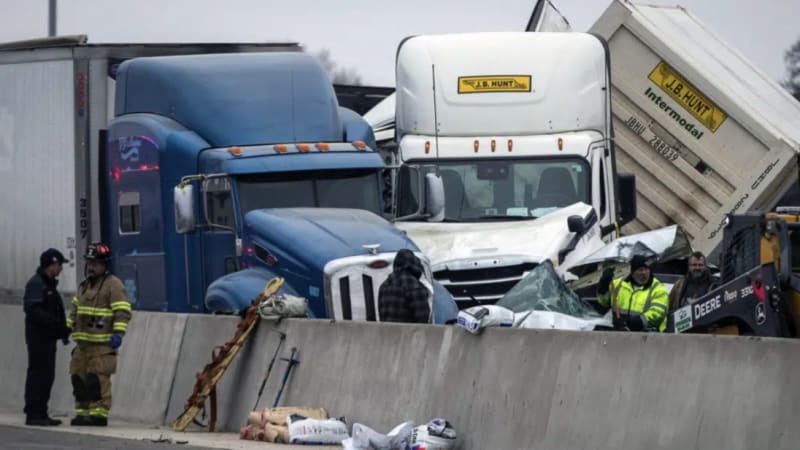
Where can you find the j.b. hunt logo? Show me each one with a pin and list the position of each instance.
(494, 83)
(688, 97)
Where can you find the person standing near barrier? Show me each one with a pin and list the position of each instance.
(45, 324)
(642, 299)
(694, 285)
(403, 297)
(99, 319)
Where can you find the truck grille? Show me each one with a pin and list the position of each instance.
(483, 285)
(351, 286)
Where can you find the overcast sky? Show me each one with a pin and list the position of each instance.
(364, 34)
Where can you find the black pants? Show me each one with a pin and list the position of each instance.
(39, 381)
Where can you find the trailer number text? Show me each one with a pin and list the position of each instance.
(663, 148)
(658, 144)
(84, 216)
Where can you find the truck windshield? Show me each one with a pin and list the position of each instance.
(499, 188)
(357, 189)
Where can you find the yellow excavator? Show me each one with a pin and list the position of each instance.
(760, 272)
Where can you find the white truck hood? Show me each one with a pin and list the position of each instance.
(506, 242)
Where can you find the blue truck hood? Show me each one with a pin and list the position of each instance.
(315, 236)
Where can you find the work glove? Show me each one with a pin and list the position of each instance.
(620, 323)
(637, 322)
(116, 341)
(605, 280)
(65, 341)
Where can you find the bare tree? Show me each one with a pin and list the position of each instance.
(337, 74)
(792, 60)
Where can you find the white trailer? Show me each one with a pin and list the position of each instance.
(56, 95)
(705, 131)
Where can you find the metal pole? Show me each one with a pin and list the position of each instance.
(51, 19)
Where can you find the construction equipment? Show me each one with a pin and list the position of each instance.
(221, 358)
(291, 362)
(760, 290)
(269, 367)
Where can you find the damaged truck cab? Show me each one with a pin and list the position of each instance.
(518, 126)
(273, 179)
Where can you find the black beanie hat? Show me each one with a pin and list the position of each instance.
(639, 261)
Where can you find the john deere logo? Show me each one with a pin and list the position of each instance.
(494, 83)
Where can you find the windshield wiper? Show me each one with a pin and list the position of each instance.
(506, 217)
(424, 219)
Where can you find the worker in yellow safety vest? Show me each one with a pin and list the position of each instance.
(641, 300)
(99, 319)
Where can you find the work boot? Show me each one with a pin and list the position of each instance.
(97, 421)
(37, 421)
(52, 422)
(78, 421)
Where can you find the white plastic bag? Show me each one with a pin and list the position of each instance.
(365, 438)
(283, 305)
(438, 434)
(476, 318)
(314, 431)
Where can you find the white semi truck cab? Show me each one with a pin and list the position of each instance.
(518, 128)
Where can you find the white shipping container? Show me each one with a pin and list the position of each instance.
(705, 131)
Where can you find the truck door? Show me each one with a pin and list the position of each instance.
(603, 190)
(134, 222)
(219, 238)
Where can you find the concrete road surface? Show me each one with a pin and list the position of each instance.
(15, 435)
(22, 438)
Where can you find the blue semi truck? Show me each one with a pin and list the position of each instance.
(217, 172)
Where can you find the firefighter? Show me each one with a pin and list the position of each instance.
(99, 319)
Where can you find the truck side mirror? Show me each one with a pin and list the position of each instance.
(626, 188)
(434, 197)
(575, 224)
(184, 209)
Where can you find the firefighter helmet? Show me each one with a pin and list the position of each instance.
(97, 251)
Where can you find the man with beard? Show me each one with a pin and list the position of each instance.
(642, 299)
(99, 320)
(403, 297)
(694, 285)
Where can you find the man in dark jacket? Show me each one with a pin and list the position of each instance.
(694, 285)
(402, 297)
(45, 324)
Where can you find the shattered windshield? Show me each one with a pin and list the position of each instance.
(543, 290)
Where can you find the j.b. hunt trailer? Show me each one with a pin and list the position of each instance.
(705, 131)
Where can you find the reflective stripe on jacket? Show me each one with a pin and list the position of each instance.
(652, 301)
(100, 310)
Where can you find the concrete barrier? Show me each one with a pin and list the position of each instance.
(504, 389)
(145, 371)
(528, 389)
(238, 388)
